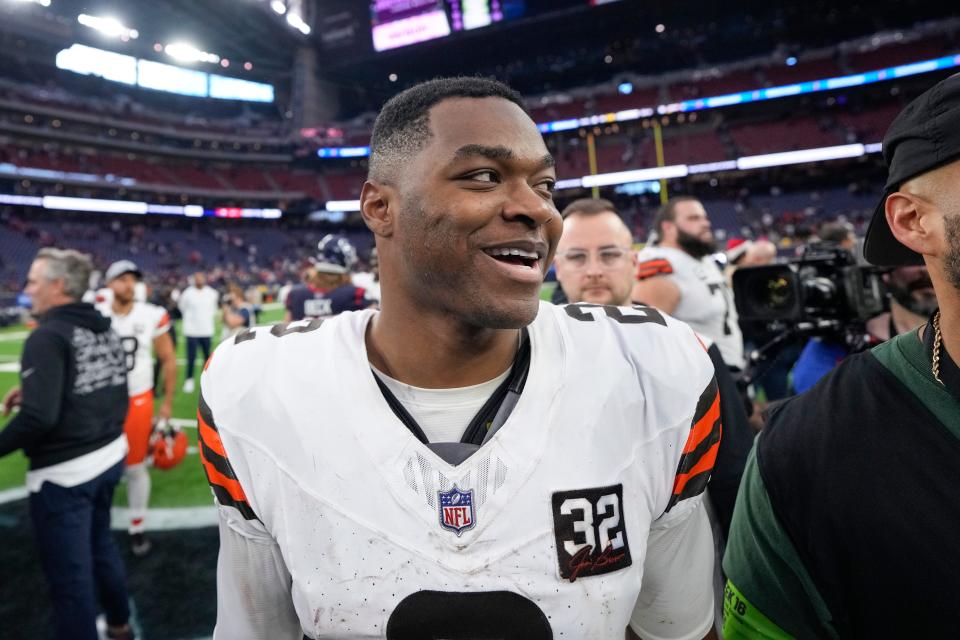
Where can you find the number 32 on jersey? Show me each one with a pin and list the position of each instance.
(590, 533)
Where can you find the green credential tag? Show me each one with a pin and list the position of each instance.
(743, 621)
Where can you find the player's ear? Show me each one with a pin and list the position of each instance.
(377, 207)
(913, 222)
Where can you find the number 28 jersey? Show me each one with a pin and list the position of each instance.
(137, 330)
(336, 522)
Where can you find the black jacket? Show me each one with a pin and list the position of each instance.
(74, 380)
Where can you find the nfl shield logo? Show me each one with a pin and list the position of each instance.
(456, 510)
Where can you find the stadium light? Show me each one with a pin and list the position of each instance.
(94, 205)
(343, 152)
(108, 26)
(295, 21)
(189, 53)
(801, 156)
(572, 183)
(637, 175)
(97, 205)
(342, 205)
(278, 7)
(42, 3)
(26, 201)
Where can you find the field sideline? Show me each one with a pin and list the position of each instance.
(184, 486)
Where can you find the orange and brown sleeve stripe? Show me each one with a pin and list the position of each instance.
(700, 450)
(656, 267)
(220, 474)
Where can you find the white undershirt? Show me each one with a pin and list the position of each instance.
(81, 469)
(443, 414)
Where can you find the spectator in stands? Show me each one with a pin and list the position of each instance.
(73, 402)
(680, 276)
(198, 304)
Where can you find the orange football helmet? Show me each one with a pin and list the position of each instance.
(168, 445)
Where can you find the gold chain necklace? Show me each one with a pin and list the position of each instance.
(937, 340)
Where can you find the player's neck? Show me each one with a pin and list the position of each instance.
(667, 244)
(121, 308)
(434, 352)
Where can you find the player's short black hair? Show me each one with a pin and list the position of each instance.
(403, 126)
(668, 213)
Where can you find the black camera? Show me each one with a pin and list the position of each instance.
(824, 290)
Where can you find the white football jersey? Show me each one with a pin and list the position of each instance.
(137, 330)
(706, 302)
(336, 522)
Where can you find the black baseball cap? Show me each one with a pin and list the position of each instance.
(923, 137)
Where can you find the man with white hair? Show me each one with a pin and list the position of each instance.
(73, 401)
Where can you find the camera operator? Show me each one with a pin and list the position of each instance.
(907, 312)
(846, 523)
(838, 234)
(821, 354)
(912, 300)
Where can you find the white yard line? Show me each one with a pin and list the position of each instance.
(157, 519)
(14, 336)
(168, 519)
(12, 495)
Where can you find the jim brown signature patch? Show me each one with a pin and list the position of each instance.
(590, 533)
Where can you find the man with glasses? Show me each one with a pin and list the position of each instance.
(679, 276)
(595, 257)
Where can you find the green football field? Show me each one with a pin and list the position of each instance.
(183, 486)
